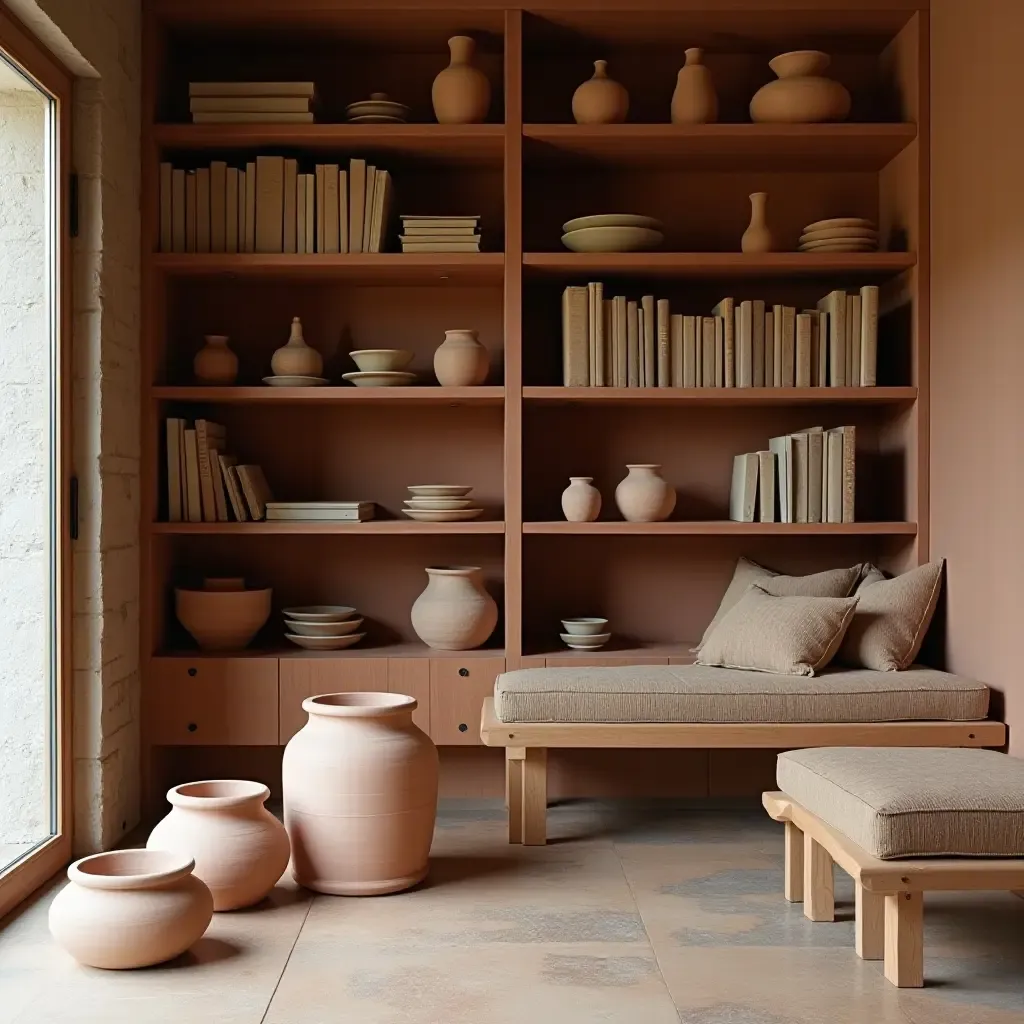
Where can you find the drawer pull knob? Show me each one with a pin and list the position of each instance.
(463, 727)
(192, 726)
(193, 671)
(463, 672)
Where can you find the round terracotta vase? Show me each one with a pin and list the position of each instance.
(360, 795)
(215, 363)
(800, 95)
(643, 496)
(600, 99)
(295, 358)
(130, 908)
(460, 360)
(454, 613)
(581, 500)
(461, 93)
(239, 847)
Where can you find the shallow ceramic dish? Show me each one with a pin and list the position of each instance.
(439, 504)
(585, 643)
(376, 119)
(378, 103)
(612, 239)
(325, 643)
(458, 516)
(439, 490)
(381, 360)
(320, 613)
(836, 234)
(379, 380)
(584, 627)
(840, 247)
(840, 222)
(295, 382)
(612, 220)
(323, 629)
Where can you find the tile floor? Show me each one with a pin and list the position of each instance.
(657, 915)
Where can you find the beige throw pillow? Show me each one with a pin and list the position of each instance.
(892, 619)
(792, 636)
(831, 583)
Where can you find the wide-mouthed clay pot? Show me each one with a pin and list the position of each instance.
(454, 613)
(581, 500)
(801, 95)
(222, 619)
(643, 496)
(215, 363)
(600, 99)
(460, 360)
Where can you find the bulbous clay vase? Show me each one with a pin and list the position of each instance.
(222, 617)
(460, 360)
(801, 95)
(296, 358)
(130, 908)
(360, 795)
(600, 99)
(239, 847)
(215, 363)
(581, 501)
(643, 496)
(757, 237)
(461, 93)
(694, 100)
(454, 613)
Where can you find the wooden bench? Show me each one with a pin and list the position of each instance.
(889, 907)
(527, 743)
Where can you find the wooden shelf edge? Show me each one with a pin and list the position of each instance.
(185, 135)
(384, 527)
(710, 264)
(721, 396)
(258, 394)
(721, 130)
(704, 528)
(288, 652)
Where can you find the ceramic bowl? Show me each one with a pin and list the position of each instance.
(439, 504)
(222, 620)
(840, 222)
(325, 643)
(612, 220)
(585, 643)
(584, 627)
(834, 234)
(847, 246)
(439, 490)
(381, 360)
(324, 629)
(611, 239)
(799, 62)
(377, 105)
(426, 516)
(321, 613)
(380, 379)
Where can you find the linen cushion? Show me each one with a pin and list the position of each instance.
(695, 693)
(892, 619)
(831, 583)
(912, 801)
(787, 635)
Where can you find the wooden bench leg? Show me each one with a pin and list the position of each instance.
(535, 796)
(794, 864)
(819, 882)
(514, 792)
(904, 939)
(870, 923)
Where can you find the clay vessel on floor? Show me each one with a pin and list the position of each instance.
(296, 358)
(360, 795)
(461, 93)
(215, 363)
(581, 501)
(757, 237)
(460, 360)
(801, 95)
(694, 100)
(239, 847)
(643, 496)
(454, 613)
(130, 908)
(600, 99)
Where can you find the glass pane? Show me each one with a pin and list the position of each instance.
(27, 466)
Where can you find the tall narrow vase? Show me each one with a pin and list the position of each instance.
(643, 496)
(454, 613)
(757, 237)
(694, 101)
(600, 99)
(461, 93)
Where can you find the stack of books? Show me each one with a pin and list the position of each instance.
(440, 234)
(251, 102)
(320, 511)
(271, 206)
(618, 342)
(805, 477)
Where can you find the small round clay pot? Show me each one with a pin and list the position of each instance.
(643, 496)
(215, 363)
(600, 99)
(460, 360)
(454, 613)
(581, 501)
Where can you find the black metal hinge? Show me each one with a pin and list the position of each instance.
(73, 508)
(73, 205)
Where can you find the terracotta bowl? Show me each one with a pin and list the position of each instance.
(381, 360)
(799, 63)
(222, 620)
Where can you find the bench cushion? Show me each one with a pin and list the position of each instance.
(699, 693)
(912, 802)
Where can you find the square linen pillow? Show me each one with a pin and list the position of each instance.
(790, 636)
(831, 583)
(892, 619)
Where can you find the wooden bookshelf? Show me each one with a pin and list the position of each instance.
(517, 438)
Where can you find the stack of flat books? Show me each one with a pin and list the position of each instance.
(440, 234)
(321, 511)
(251, 102)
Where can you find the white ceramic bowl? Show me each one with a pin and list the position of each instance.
(321, 613)
(425, 516)
(380, 379)
(439, 490)
(439, 504)
(585, 643)
(610, 239)
(381, 360)
(325, 643)
(612, 220)
(328, 629)
(584, 627)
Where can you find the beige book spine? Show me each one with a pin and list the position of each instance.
(254, 487)
(300, 213)
(719, 352)
(745, 344)
(307, 89)
(800, 473)
(248, 223)
(650, 344)
(726, 309)
(707, 367)
(834, 476)
(783, 449)
(766, 485)
(609, 341)
(231, 211)
(591, 335)
(371, 188)
(249, 117)
(848, 346)
(381, 210)
(219, 489)
(344, 202)
(788, 347)
(332, 213)
(218, 206)
(835, 307)
(598, 371)
(289, 232)
(815, 439)
(621, 362)
(173, 441)
(193, 493)
(676, 341)
(310, 213)
(177, 211)
(269, 204)
(853, 310)
(574, 337)
(757, 344)
(632, 345)
(321, 239)
(234, 488)
(690, 360)
(249, 105)
(664, 344)
(743, 492)
(803, 350)
(166, 204)
(209, 506)
(203, 209)
(190, 211)
(773, 340)
(821, 339)
(356, 202)
(869, 335)
(848, 507)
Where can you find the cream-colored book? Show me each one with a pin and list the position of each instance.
(371, 188)
(332, 212)
(743, 493)
(834, 475)
(690, 360)
(177, 211)
(234, 488)
(619, 341)
(256, 490)
(650, 342)
(231, 211)
(218, 205)
(757, 344)
(633, 359)
(834, 305)
(664, 344)
(869, 335)
(788, 347)
(575, 362)
(381, 211)
(719, 352)
(745, 344)
(249, 222)
(291, 192)
(815, 453)
(598, 378)
(209, 436)
(307, 89)
(766, 486)
(250, 118)
(270, 204)
(193, 493)
(591, 335)
(175, 426)
(166, 203)
(220, 496)
(804, 340)
(707, 334)
(854, 313)
(676, 341)
(310, 213)
(800, 474)
(726, 309)
(249, 104)
(190, 211)
(356, 203)
(344, 241)
(203, 209)
(773, 342)
(609, 341)
(820, 353)
(848, 502)
(321, 237)
(440, 247)
(782, 447)
(300, 213)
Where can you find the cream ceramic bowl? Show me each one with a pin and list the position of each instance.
(380, 379)
(222, 620)
(327, 629)
(439, 504)
(612, 239)
(439, 490)
(584, 627)
(612, 220)
(325, 643)
(320, 613)
(585, 643)
(381, 360)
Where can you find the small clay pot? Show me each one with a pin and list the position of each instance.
(460, 360)
(454, 613)
(296, 358)
(801, 95)
(643, 496)
(694, 100)
(215, 363)
(757, 237)
(581, 501)
(600, 99)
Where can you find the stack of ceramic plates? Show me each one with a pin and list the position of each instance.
(323, 627)
(585, 634)
(440, 503)
(612, 232)
(380, 368)
(378, 109)
(840, 234)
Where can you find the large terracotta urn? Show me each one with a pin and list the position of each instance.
(239, 847)
(643, 496)
(460, 360)
(461, 93)
(360, 795)
(801, 95)
(600, 99)
(130, 908)
(694, 100)
(454, 613)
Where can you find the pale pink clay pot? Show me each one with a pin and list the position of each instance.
(454, 613)
(643, 496)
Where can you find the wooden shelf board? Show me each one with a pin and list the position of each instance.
(703, 528)
(796, 147)
(402, 649)
(718, 264)
(381, 527)
(347, 394)
(721, 396)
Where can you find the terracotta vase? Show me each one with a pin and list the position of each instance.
(215, 363)
(643, 496)
(800, 95)
(360, 795)
(239, 847)
(757, 237)
(130, 908)
(461, 93)
(296, 358)
(581, 501)
(694, 100)
(454, 613)
(600, 99)
(460, 360)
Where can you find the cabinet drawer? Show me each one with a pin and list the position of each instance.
(212, 701)
(457, 691)
(411, 676)
(306, 677)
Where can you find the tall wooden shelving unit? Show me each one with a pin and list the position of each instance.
(518, 438)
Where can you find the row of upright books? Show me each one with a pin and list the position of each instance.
(251, 102)
(805, 477)
(620, 342)
(271, 206)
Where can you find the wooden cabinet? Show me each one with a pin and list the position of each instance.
(411, 676)
(212, 701)
(457, 691)
(306, 677)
